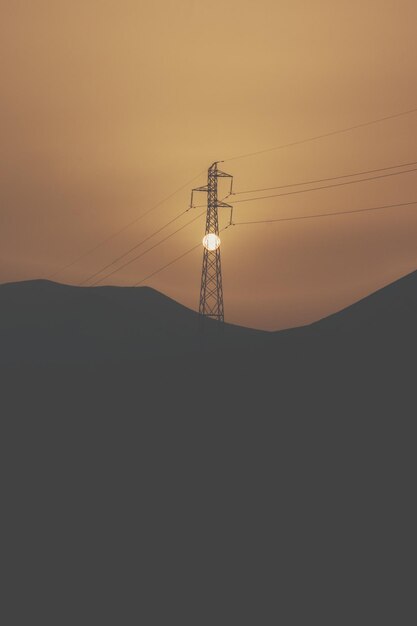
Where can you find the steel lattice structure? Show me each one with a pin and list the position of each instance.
(211, 291)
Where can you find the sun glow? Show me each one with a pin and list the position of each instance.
(211, 242)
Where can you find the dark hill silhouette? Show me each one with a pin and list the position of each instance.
(377, 328)
(279, 464)
(130, 340)
(389, 310)
(44, 322)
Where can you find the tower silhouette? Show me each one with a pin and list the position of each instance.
(211, 290)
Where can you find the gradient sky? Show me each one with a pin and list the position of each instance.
(109, 106)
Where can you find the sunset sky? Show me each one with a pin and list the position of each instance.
(109, 106)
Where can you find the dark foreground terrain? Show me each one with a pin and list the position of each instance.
(152, 477)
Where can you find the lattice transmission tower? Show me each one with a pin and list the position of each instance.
(211, 291)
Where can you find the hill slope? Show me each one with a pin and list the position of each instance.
(46, 322)
(296, 442)
(293, 450)
(389, 310)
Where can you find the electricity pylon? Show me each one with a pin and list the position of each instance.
(211, 291)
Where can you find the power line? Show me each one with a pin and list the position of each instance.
(349, 182)
(168, 264)
(125, 227)
(308, 217)
(330, 134)
(322, 180)
(148, 250)
(181, 256)
(284, 219)
(122, 256)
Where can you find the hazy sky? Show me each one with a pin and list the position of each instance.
(109, 106)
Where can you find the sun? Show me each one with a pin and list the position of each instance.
(211, 242)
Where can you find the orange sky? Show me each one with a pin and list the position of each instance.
(109, 106)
